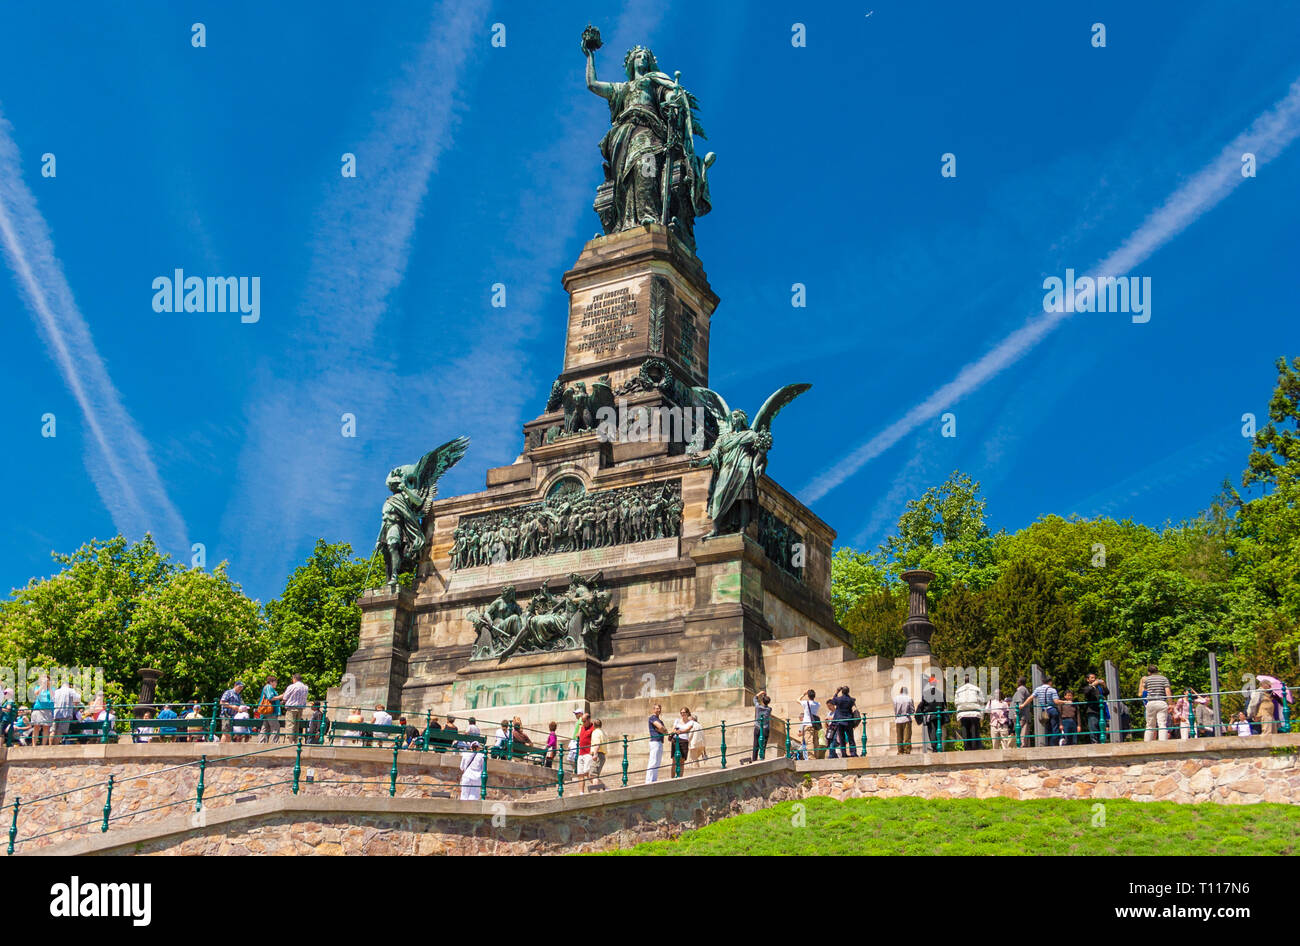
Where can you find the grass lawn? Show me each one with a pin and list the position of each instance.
(993, 826)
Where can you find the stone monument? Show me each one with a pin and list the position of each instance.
(636, 551)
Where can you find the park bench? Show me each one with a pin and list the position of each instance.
(517, 752)
(86, 731)
(369, 733)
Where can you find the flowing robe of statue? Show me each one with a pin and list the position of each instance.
(733, 461)
(632, 147)
(401, 522)
(651, 143)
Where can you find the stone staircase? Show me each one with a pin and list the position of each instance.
(796, 664)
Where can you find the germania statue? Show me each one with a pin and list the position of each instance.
(413, 487)
(738, 456)
(652, 173)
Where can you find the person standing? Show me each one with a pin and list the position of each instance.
(1000, 721)
(844, 710)
(314, 723)
(295, 703)
(903, 710)
(811, 726)
(229, 707)
(1094, 694)
(681, 741)
(1260, 709)
(66, 703)
(268, 707)
(552, 744)
(42, 712)
(698, 751)
(572, 749)
(1046, 701)
(585, 729)
(1069, 713)
(927, 714)
(969, 702)
(473, 760)
(1022, 715)
(762, 725)
(656, 745)
(597, 757)
(1156, 687)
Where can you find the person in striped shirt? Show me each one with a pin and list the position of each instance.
(1155, 686)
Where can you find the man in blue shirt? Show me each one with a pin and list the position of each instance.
(167, 731)
(657, 730)
(230, 703)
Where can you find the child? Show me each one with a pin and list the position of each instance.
(1240, 723)
(243, 732)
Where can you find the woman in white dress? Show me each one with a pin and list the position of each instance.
(472, 762)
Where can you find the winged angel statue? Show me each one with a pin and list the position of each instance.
(738, 456)
(414, 486)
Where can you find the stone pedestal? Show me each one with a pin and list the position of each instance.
(378, 668)
(692, 614)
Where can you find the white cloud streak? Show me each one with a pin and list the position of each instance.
(117, 455)
(1267, 137)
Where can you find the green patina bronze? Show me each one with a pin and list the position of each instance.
(569, 621)
(738, 456)
(414, 486)
(652, 172)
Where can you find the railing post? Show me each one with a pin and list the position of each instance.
(297, 767)
(428, 726)
(940, 730)
(13, 826)
(198, 795)
(1017, 721)
(559, 774)
(625, 760)
(677, 757)
(482, 791)
(863, 747)
(108, 722)
(1286, 710)
(787, 737)
(108, 805)
(392, 773)
(724, 743)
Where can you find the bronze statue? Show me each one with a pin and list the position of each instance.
(413, 487)
(738, 457)
(652, 173)
(551, 622)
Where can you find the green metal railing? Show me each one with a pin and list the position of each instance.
(937, 733)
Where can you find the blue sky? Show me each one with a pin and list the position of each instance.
(477, 165)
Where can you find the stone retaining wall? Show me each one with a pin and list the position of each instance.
(154, 783)
(1225, 770)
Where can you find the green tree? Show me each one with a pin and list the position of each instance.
(855, 575)
(944, 531)
(315, 624)
(121, 606)
(875, 623)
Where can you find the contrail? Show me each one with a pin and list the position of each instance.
(360, 253)
(117, 456)
(1267, 137)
